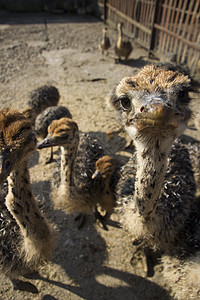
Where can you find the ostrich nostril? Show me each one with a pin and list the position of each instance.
(130, 120)
(177, 113)
(141, 109)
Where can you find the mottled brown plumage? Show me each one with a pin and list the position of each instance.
(157, 190)
(45, 118)
(122, 48)
(105, 42)
(77, 191)
(43, 97)
(39, 100)
(105, 167)
(26, 237)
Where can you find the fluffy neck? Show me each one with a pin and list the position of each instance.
(107, 200)
(107, 184)
(152, 158)
(68, 156)
(119, 41)
(22, 205)
(104, 37)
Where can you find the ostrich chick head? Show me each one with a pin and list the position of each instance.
(104, 167)
(17, 141)
(62, 132)
(154, 103)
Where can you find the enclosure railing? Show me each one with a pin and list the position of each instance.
(161, 26)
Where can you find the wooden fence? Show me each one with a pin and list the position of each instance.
(161, 26)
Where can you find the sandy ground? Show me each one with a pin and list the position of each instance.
(90, 263)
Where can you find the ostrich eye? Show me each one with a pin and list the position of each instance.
(61, 131)
(65, 135)
(125, 102)
(7, 164)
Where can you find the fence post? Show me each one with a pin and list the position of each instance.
(105, 11)
(152, 35)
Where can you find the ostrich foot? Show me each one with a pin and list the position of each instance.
(117, 60)
(146, 257)
(32, 275)
(129, 145)
(151, 261)
(102, 219)
(51, 159)
(81, 218)
(24, 286)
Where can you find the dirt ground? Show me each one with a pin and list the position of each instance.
(90, 263)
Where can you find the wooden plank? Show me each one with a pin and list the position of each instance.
(137, 24)
(143, 9)
(178, 11)
(193, 63)
(167, 24)
(142, 43)
(131, 12)
(195, 36)
(191, 27)
(169, 37)
(141, 20)
(180, 24)
(163, 17)
(178, 37)
(158, 20)
(134, 30)
(149, 17)
(174, 30)
(151, 14)
(185, 26)
(152, 35)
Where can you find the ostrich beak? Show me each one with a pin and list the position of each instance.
(47, 142)
(96, 174)
(6, 166)
(155, 114)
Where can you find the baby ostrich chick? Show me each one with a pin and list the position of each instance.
(105, 167)
(111, 101)
(40, 99)
(26, 237)
(122, 48)
(77, 191)
(44, 119)
(105, 42)
(156, 192)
